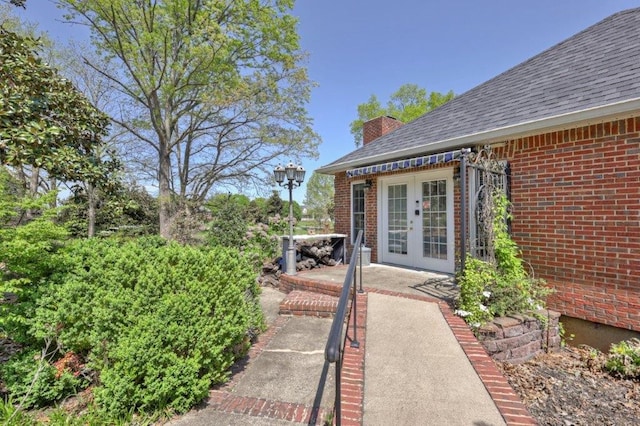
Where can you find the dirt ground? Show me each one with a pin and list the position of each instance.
(571, 387)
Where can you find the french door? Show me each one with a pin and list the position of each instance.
(417, 220)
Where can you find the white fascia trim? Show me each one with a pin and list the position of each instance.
(508, 132)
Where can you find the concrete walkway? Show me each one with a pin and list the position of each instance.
(284, 381)
(416, 373)
(418, 364)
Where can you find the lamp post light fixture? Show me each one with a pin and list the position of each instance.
(290, 177)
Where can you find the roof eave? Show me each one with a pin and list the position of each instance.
(508, 132)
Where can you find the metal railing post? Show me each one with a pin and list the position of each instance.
(337, 408)
(334, 350)
(361, 290)
(354, 311)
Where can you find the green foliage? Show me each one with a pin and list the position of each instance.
(274, 205)
(623, 359)
(406, 104)
(11, 415)
(261, 241)
(234, 225)
(319, 196)
(474, 291)
(158, 322)
(32, 379)
(27, 250)
(45, 122)
(488, 290)
(297, 210)
(229, 225)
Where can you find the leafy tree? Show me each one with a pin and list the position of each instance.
(406, 104)
(297, 210)
(45, 122)
(319, 196)
(275, 204)
(212, 90)
(229, 225)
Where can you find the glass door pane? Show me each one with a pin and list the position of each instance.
(397, 219)
(434, 219)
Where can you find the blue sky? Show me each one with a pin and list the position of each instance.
(359, 48)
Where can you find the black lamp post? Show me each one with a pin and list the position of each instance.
(294, 176)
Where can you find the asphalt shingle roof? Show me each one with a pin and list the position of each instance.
(596, 67)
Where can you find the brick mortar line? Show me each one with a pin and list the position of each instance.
(354, 361)
(227, 402)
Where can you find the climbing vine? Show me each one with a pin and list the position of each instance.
(501, 285)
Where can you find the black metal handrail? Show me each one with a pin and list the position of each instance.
(334, 350)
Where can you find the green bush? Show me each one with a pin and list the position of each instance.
(158, 322)
(29, 240)
(474, 294)
(624, 359)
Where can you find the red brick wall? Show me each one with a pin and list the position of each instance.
(377, 127)
(576, 205)
(343, 212)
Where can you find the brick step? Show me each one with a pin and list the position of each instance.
(300, 282)
(306, 303)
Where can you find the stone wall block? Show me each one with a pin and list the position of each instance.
(518, 338)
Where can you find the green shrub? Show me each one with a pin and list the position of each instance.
(27, 251)
(624, 359)
(474, 293)
(158, 322)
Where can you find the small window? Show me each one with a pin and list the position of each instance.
(357, 210)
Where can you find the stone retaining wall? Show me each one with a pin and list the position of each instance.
(518, 338)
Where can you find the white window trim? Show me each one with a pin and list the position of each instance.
(352, 237)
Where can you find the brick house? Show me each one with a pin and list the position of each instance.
(565, 125)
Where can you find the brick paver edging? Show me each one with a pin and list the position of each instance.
(509, 404)
(222, 399)
(352, 392)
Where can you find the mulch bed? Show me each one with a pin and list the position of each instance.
(571, 387)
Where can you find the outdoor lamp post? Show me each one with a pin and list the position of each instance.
(290, 177)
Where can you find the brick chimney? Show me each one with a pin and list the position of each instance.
(377, 127)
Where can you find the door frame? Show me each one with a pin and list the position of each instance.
(413, 181)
